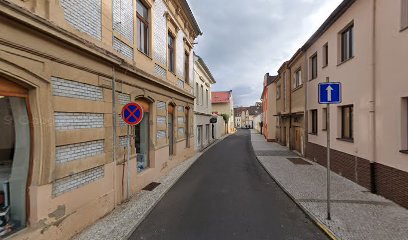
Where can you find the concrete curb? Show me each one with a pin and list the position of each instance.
(197, 156)
(315, 220)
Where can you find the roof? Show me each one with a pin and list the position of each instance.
(190, 14)
(206, 69)
(221, 97)
(336, 14)
(252, 110)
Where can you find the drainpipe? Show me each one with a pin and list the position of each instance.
(114, 132)
(305, 112)
(290, 107)
(372, 101)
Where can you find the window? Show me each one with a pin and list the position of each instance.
(284, 90)
(278, 91)
(197, 94)
(404, 125)
(313, 114)
(347, 122)
(186, 67)
(325, 55)
(347, 48)
(142, 27)
(404, 14)
(202, 94)
(206, 97)
(313, 66)
(297, 78)
(324, 119)
(171, 51)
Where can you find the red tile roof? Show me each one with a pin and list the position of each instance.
(220, 97)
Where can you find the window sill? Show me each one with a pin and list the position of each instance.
(144, 54)
(341, 63)
(313, 79)
(403, 29)
(325, 66)
(350, 140)
(324, 130)
(297, 88)
(404, 151)
(315, 134)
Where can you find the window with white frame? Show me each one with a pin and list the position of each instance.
(313, 66)
(347, 43)
(297, 78)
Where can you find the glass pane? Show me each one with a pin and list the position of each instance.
(14, 163)
(142, 10)
(142, 143)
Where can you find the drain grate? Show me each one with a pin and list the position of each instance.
(151, 186)
(275, 153)
(299, 161)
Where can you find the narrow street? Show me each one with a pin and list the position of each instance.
(227, 194)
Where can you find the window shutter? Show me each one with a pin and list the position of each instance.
(404, 14)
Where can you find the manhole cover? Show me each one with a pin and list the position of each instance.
(299, 161)
(151, 186)
(274, 153)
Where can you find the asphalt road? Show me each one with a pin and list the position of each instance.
(227, 194)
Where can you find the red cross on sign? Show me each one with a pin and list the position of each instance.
(132, 113)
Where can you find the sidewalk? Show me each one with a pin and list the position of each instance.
(124, 219)
(355, 212)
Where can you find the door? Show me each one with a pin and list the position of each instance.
(15, 146)
(171, 130)
(298, 139)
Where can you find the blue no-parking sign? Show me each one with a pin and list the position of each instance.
(330, 93)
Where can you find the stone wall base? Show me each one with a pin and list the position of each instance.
(384, 180)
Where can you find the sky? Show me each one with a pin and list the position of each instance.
(244, 39)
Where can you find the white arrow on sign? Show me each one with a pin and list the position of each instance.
(329, 90)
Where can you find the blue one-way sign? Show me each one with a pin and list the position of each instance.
(330, 93)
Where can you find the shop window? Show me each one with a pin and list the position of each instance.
(142, 135)
(14, 163)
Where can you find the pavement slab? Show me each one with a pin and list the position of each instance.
(356, 213)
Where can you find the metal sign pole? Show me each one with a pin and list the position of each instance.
(328, 153)
(328, 161)
(128, 161)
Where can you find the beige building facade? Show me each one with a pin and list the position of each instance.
(363, 46)
(67, 69)
(205, 131)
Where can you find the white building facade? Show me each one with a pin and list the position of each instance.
(203, 129)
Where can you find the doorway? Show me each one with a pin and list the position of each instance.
(15, 146)
(142, 136)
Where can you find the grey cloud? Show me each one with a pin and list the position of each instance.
(243, 40)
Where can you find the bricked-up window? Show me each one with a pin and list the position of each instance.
(325, 55)
(313, 114)
(404, 14)
(347, 122)
(171, 52)
(313, 66)
(142, 27)
(347, 44)
(186, 67)
(297, 78)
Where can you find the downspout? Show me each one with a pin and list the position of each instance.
(114, 133)
(372, 102)
(305, 115)
(290, 108)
